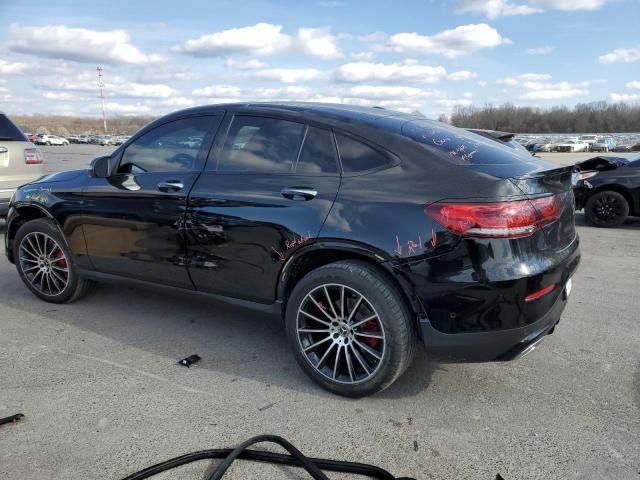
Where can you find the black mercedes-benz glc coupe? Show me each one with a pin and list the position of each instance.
(369, 231)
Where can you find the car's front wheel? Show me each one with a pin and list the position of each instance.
(45, 264)
(350, 329)
(606, 209)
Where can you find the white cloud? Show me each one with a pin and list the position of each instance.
(621, 55)
(318, 42)
(179, 102)
(127, 108)
(244, 64)
(462, 75)
(363, 55)
(260, 39)
(217, 91)
(77, 44)
(495, 8)
(625, 97)
(534, 76)
(13, 68)
(388, 92)
(454, 102)
(394, 72)
(569, 5)
(539, 50)
(62, 96)
(482, 83)
(551, 91)
(462, 40)
(288, 75)
(114, 86)
(525, 77)
(635, 84)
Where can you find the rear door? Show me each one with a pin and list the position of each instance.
(133, 221)
(266, 191)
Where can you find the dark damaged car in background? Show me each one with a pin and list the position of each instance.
(368, 231)
(608, 188)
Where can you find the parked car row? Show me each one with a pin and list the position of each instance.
(103, 140)
(583, 143)
(99, 139)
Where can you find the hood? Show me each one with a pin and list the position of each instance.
(601, 163)
(59, 177)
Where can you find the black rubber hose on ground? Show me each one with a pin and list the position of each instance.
(313, 466)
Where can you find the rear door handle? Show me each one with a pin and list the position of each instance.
(170, 186)
(299, 193)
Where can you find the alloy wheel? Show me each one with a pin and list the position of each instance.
(340, 333)
(606, 208)
(44, 263)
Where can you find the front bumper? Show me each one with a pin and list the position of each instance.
(498, 345)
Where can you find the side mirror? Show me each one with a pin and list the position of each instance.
(100, 167)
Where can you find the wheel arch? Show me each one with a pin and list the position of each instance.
(324, 253)
(23, 213)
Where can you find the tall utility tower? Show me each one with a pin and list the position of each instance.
(101, 87)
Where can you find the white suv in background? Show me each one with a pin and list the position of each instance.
(51, 140)
(20, 161)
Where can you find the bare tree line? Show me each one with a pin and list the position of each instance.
(597, 117)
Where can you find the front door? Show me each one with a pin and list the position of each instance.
(266, 192)
(133, 221)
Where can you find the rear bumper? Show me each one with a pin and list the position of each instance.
(499, 345)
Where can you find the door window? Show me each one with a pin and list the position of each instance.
(172, 147)
(318, 154)
(261, 145)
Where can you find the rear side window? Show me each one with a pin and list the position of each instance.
(172, 147)
(261, 145)
(359, 157)
(9, 132)
(318, 154)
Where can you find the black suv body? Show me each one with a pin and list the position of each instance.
(369, 230)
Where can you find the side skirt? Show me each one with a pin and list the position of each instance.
(274, 309)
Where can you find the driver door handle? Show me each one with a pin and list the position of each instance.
(170, 186)
(298, 193)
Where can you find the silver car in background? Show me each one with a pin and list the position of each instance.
(20, 161)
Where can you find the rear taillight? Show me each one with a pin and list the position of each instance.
(519, 218)
(32, 156)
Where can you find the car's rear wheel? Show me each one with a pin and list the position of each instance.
(45, 263)
(350, 329)
(607, 209)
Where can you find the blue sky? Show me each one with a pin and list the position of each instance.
(407, 55)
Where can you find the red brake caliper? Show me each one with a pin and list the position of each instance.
(60, 258)
(371, 326)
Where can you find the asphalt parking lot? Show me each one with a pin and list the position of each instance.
(103, 396)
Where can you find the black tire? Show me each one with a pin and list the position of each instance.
(606, 209)
(75, 286)
(396, 322)
(48, 144)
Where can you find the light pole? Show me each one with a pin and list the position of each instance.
(101, 87)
